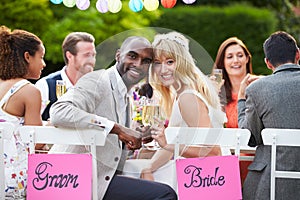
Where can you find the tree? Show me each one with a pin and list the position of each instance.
(286, 12)
(53, 22)
(31, 15)
(102, 26)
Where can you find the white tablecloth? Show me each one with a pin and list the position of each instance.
(165, 174)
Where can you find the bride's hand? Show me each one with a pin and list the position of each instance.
(146, 133)
(158, 133)
(217, 85)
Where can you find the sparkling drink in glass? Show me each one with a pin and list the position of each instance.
(61, 88)
(218, 74)
(149, 113)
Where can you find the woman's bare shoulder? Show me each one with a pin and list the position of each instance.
(30, 91)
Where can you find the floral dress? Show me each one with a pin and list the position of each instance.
(15, 152)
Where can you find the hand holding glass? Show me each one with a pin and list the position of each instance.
(150, 113)
(218, 75)
(61, 88)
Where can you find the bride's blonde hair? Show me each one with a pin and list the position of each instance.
(175, 46)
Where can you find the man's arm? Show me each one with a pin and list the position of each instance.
(248, 118)
(76, 109)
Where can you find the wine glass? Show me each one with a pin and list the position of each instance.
(61, 88)
(218, 75)
(150, 112)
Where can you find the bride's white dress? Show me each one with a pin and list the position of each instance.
(217, 117)
(163, 174)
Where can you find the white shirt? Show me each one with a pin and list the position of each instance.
(44, 89)
(122, 95)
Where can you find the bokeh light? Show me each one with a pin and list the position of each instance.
(102, 6)
(189, 1)
(114, 6)
(135, 5)
(56, 1)
(168, 3)
(69, 3)
(151, 5)
(82, 4)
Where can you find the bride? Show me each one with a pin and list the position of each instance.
(188, 98)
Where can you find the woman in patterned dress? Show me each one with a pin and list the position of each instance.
(21, 58)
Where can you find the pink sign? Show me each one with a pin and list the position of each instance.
(59, 176)
(213, 178)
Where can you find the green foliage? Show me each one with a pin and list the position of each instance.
(53, 22)
(289, 21)
(210, 26)
(31, 15)
(102, 26)
(285, 12)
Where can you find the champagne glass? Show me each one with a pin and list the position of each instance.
(218, 74)
(61, 88)
(150, 112)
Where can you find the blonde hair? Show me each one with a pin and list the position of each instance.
(175, 46)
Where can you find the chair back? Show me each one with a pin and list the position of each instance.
(280, 137)
(234, 138)
(53, 135)
(6, 132)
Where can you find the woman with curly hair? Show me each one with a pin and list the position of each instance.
(21, 58)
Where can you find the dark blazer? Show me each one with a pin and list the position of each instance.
(95, 94)
(272, 102)
(51, 81)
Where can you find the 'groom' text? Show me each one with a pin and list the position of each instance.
(43, 179)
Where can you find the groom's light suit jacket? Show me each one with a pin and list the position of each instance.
(94, 94)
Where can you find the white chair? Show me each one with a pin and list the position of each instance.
(53, 135)
(231, 138)
(6, 131)
(282, 137)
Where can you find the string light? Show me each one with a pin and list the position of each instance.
(189, 1)
(115, 6)
(82, 4)
(168, 3)
(135, 5)
(102, 6)
(151, 5)
(69, 3)
(56, 1)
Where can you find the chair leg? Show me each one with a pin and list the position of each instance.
(273, 169)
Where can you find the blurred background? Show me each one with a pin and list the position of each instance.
(208, 22)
